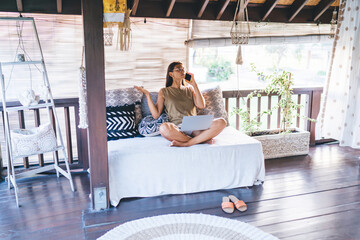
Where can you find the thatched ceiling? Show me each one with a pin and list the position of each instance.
(259, 10)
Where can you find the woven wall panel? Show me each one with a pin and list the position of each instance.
(154, 45)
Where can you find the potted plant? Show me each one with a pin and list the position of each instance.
(284, 141)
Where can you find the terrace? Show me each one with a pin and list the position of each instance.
(303, 197)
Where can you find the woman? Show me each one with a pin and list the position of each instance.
(180, 99)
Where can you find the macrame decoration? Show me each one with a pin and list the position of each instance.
(239, 59)
(83, 119)
(333, 24)
(240, 29)
(108, 36)
(124, 32)
(116, 14)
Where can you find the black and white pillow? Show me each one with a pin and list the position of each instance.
(123, 96)
(120, 122)
(149, 126)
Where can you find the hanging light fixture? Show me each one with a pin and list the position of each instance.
(333, 23)
(240, 29)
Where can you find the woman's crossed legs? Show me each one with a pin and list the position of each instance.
(179, 139)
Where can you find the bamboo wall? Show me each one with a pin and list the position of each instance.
(155, 44)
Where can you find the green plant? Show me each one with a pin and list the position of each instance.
(220, 70)
(280, 83)
(249, 125)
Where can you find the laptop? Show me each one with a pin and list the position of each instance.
(193, 123)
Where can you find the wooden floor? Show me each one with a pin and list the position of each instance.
(307, 197)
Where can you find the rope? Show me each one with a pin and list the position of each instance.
(83, 119)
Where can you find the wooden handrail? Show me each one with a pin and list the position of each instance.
(313, 105)
(81, 134)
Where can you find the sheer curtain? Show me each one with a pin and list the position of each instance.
(340, 112)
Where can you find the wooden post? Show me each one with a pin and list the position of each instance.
(82, 143)
(314, 102)
(92, 12)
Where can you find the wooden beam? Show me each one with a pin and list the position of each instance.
(268, 7)
(222, 9)
(245, 5)
(134, 7)
(202, 8)
(296, 8)
(321, 8)
(170, 8)
(59, 6)
(19, 5)
(185, 10)
(92, 12)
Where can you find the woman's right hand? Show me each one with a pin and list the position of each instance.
(142, 89)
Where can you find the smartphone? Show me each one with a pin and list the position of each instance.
(188, 77)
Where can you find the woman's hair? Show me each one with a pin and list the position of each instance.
(169, 79)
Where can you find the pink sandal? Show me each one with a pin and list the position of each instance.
(239, 204)
(226, 205)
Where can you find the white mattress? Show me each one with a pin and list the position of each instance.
(145, 167)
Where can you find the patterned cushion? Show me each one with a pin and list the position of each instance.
(214, 104)
(120, 97)
(120, 122)
(145, 111)
(149, 126)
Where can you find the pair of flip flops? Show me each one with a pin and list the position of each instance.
(228, 203)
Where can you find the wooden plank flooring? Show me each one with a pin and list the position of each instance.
(305, 197)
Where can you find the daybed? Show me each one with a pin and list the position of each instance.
(147, 166)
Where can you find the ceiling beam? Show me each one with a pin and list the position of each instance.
(202, 9)
(321, 8)
(296, 8)
(19, 5)
(268, 7)
(59, 6)
(222, 8)
(185, 10)
(245, 5)
(170, 8)
(134, 7)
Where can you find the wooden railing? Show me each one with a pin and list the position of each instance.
(74, 138)
(309, 97)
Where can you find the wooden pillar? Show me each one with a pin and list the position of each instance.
(314, 101)
(92, 12)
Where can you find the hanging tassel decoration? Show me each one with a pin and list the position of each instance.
(239, 59)
(83, 122)
(124, 36)
(114, 13)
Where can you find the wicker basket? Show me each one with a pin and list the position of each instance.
(27, 142)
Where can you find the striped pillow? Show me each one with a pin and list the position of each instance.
(120, 122)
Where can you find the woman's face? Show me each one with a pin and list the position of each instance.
(178, 72)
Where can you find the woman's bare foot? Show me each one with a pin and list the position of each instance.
(175, 143)
(211, 141)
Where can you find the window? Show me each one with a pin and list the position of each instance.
(308, 62)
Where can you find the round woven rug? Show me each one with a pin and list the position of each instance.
(186, 226)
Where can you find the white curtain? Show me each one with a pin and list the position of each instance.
(340, 112)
